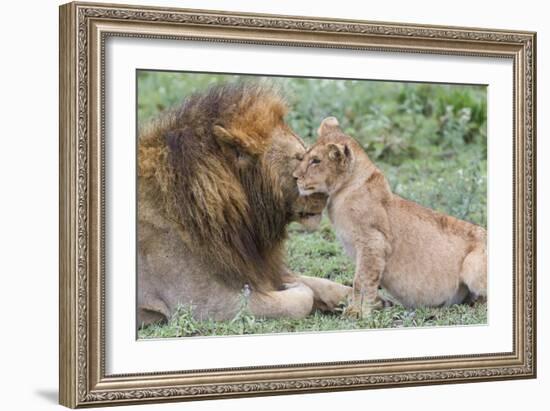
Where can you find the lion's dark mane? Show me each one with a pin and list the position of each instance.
(234, 218)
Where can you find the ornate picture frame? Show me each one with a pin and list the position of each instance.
(84, 29)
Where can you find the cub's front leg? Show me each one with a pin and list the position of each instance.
(371, 253)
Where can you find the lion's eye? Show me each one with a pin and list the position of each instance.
(315, 161)
(299, 157)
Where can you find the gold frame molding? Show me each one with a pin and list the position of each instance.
(84, 27)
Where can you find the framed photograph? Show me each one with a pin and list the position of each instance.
(261, 205)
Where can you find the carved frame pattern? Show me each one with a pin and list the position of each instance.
(82, 378)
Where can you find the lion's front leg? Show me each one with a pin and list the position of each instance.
(327, 294)
(294, 301)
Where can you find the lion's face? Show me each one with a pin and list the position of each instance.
(322, 168)
(283, 157)
(270, 161)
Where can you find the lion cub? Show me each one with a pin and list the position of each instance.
(421, 257)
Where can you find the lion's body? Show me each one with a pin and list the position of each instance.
(422, 257)
(215, 194)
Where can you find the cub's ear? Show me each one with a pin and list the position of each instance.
(327, 125)
(339, 152)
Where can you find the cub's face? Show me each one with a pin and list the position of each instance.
(283, 156)
(322, 168)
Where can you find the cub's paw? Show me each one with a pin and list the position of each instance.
(353, 312)
(359, 311)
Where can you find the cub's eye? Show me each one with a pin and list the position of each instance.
(315, 161)
(299, 157)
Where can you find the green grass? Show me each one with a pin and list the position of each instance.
(183, 325)
(430, 141)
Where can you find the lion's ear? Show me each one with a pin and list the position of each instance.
(233, 146)
(233, 138)
(327, 125)
(338, 152)
(224, 136)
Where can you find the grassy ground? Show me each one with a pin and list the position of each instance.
(430, 141)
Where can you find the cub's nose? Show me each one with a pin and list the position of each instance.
(296, 175)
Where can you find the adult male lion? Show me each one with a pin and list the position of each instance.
(215, 194)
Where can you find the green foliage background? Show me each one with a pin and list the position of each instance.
(429, 139)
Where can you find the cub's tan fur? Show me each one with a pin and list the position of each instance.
(421, 257)
(215, 194)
